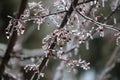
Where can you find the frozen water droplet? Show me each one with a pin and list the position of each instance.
(8, 37)
(42, 74)
(22, 31)
(102, 34)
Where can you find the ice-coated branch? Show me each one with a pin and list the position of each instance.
(98, 23)
(42, 65)
(12, 41)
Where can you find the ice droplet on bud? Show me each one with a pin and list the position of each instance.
(42, 74)
(8, 37)
(22, 30)
(102, 34)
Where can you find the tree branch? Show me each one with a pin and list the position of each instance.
(12, 41)
(41, 66)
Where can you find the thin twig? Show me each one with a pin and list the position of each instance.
(98, 23)
(87, 1)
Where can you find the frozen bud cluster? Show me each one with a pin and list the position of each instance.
(101, 31)
(77, 63)
(62, 36)
(15, 25)
(32, 67)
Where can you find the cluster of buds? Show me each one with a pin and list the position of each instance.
(101, 31)
(7, 33)
(62, 35)
(81, 39)
(20, 28)
(32, 67)
(14, 25)
(77, 63)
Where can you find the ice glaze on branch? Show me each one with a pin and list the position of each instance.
(12, 41)
(42, 65)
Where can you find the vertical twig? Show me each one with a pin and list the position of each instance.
(12, 41)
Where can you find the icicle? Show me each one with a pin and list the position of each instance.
(87, 45)
(76, 51)
(102, 34)
(95, 2)
(8, 37)
(91, 3)
(32, 59)
(115, 20)
(22, 30)
(38, 27)
(118, 40)
(47, 62)
(103, 3)
(18, 32)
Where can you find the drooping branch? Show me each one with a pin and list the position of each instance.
(98, 23)
(12, 41)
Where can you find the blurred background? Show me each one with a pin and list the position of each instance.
(101, 49)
